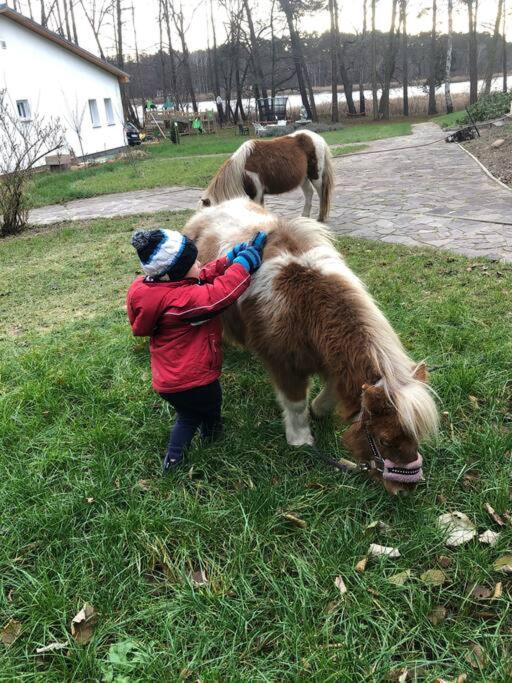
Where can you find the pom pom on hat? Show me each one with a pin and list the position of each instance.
(164, 252)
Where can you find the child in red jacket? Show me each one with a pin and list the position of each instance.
(177, 305)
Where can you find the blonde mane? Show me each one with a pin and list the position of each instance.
(228, 182)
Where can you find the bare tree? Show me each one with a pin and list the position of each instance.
(448, 63)
(504, 46)
(334, 39)
(389, 63)
(432, 109)
(405, 57)
(96, 12)
(347, 83)
(75, 120)
(172, 57)
(362, 63)
(491, 57)
(472, 44)
(374, 64)
(23, 143)
(179, 23)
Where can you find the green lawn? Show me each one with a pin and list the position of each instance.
(163, 167)
(449, 120)
(86, 517)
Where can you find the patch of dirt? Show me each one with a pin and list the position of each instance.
(498, 160)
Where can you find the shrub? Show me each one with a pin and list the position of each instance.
(488, 107)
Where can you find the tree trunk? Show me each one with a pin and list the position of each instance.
(216, 85)
(405, 60)
(432, 108)
(66, 19)
(491, 58)
(448, 66)
(172, 60)
(504, 47)
(43, 14)
(178, 22)
(347, 83)
(362, 56)
(140, 80)
(473, 66)
(300, 64)
(260, 87)
(374, 65)
(334, 64)
(389, 65)
(73, 21)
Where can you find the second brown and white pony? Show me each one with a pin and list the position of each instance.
(307, 313)
(261, 167)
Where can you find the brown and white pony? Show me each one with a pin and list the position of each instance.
(307, 313)
(261, 167)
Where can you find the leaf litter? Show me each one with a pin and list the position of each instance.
(458, 527)
(83, 623)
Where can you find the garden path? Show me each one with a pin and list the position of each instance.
(433, 196)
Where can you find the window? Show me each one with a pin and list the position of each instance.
(23, 110)
(109, 112)
(95, 116)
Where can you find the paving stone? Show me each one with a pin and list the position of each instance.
(435, 195)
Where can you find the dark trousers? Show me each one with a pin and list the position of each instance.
(197, 408)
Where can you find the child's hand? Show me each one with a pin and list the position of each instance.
(258, 241)
(249, 258)
(235, 251)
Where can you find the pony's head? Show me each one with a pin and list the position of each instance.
(388, 429)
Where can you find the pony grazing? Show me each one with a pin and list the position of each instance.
(307, 313)
(261, 167)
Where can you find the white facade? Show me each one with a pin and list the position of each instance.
(42, 76)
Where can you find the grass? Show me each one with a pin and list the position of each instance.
(86, 517)
(448, 120)
(163, 167)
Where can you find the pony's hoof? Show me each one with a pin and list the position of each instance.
(300, 440)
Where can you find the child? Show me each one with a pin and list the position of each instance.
(177, 305)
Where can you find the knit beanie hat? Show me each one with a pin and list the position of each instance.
(164, 252)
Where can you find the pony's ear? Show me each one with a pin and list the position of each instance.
(374, 400)
(421, 373)
(206, 202)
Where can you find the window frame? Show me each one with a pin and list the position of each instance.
(25, 105)
(109, 111)
(94, 113)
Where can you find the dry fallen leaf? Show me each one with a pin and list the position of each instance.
(474, 402)
(444, 561)
(470, 479)
(82, 625)
(489, 537)
(340, 585)
(52, 647)
(476, 657)
(480, 592)
(433, 577)
(376, 550)
(361, 565)
(144, 484)
(379, 526)
(199, 578)
(10, 632)
(89, 500)
(503, 564)
(296, 521)
(437, 615)
(492, 512)
(458, 527)
(400, 578)
(498, 591)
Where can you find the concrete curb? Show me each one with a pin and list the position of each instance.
(485, 169)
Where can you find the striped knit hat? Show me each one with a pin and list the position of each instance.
(164, 252)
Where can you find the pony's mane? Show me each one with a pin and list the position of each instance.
(411, 397)
(228, 182)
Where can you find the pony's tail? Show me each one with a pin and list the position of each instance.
(229, 180)
(327, 185)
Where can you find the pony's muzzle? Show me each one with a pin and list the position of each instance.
(409, 473)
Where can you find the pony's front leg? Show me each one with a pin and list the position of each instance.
(307, 189)
(326, 401)
(293, 398)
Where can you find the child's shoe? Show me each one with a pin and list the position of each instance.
(172, 461)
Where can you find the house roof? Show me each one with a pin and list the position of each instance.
(66, 44)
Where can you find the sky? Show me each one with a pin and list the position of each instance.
(146, 17)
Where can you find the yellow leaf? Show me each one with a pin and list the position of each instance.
(433, 577)
(504, 564)
(10, 632)
(296, 521)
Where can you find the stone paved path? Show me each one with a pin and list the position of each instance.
(429, 196)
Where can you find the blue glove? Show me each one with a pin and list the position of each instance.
(235, 251)
(258, 241)
(249, 258)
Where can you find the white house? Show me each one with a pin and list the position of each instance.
(44, 73)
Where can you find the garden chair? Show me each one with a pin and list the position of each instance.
(259, 129)
(243, 130)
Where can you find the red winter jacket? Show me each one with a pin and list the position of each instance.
(183, 322)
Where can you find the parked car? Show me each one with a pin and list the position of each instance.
(133, 137)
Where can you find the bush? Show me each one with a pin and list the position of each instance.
(488, 107)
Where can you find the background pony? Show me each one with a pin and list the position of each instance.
(261, 167)
(307, 313)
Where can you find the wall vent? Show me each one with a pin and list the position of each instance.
(3, 45)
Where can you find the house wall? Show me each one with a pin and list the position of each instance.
(58, 83)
